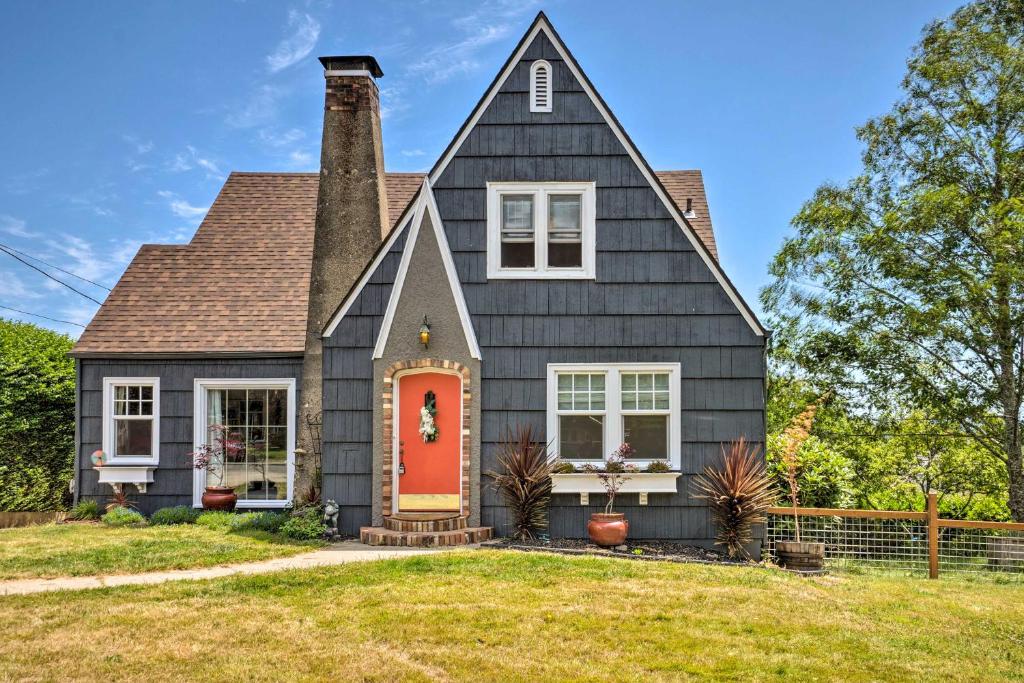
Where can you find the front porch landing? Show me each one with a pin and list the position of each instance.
(424, 529)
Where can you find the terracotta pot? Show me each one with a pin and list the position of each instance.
(608, 529)
(219, 498)
(800, 557)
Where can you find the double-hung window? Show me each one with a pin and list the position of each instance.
(540, 230)
(592, 409)
(131, 420)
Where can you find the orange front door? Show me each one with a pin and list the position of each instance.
(430, 480)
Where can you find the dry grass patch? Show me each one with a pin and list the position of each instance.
(53, 550)
(490, 615)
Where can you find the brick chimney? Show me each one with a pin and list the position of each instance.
(351, 220)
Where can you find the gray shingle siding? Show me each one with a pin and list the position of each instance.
(172, 480)
(654, 299)
(349, 397)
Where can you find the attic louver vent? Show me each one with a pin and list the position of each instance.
(540, 86)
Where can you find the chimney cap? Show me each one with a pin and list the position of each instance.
(352, 63)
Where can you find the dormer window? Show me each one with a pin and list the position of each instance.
(540, 230)
(540, 87)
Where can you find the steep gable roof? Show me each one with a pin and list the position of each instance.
(541, 25)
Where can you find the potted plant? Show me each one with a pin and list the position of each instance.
(610, 528)
(798, 555)
(211, 457)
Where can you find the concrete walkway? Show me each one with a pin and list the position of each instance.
(340, 553)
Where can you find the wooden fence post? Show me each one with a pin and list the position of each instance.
(933, 535)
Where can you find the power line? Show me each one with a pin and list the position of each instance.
(44, 317)
(66, 272)
(57, 280)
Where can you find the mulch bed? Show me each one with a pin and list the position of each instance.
(632, 550)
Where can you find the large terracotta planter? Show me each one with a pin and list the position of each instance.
(219, 498)
(608, 529)
(800, 557)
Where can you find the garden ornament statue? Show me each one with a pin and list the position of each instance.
(331, 511)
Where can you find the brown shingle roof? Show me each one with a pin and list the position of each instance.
(241, 285)
(683, 185)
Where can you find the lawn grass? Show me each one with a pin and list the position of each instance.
(500, 615)
(52, 550)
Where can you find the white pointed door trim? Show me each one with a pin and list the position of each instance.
(426, 205)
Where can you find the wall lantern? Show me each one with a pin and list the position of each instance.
(425, 333)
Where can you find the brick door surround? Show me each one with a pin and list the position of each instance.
(387, 402)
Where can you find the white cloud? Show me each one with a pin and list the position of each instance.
(300, 159)
(141, 147)
(281, 138)
(15, 290)
(412, 152)
(181, 208)
(192, 158)
(16, 227)
(260, 107)
(305, 31)
(488, 23)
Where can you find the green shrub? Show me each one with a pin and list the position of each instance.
(305, 524)
(563, 467)
(120, 516)
(37, 417)
(179, 514)
(268, 521)
(658, 466)
(85, 510)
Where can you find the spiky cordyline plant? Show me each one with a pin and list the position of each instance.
(738, 492)
(524, 481)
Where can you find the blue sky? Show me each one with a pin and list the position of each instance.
(122, 119)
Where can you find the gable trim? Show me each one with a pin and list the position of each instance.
(426, 205)
(541, 24)
(370, 269)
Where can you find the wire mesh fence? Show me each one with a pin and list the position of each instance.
(857, 541)
(901, 541)
(981, 550)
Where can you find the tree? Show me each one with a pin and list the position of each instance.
(37, 417)
(906, 285)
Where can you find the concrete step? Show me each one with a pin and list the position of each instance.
(425, 522)
(376, 535)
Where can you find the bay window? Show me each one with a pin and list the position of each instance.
(592, 409)
(540, 230)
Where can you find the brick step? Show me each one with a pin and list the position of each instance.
(424, 522)
(376, 535)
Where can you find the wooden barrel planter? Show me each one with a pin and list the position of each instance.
(800, 556)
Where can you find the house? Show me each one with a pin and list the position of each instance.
(540, 274)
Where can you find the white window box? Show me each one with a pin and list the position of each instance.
(643, 483)
(139, 475)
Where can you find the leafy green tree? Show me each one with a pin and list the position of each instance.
(37, 417)
(906, 285)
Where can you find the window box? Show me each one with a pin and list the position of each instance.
(643, 483)
(138, 475)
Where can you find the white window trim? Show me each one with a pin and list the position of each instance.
(540, 192)
(613, 412)
(108, 420)
(534, 68)
(199, 391)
